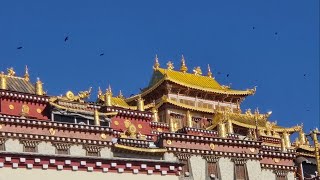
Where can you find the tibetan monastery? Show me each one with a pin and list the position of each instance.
(184, 125)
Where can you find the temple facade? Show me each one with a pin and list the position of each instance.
(184, 125)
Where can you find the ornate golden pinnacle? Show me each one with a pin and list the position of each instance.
(183, 67)
(197, 71)
(39, 88)
(120, 94)
(156, 63)
(11, 72)
(3, 81)
(26, 75)
(209, 72)
(170, 65)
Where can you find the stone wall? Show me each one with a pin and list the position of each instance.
(198, 167)
(226, 168)
(253, 169)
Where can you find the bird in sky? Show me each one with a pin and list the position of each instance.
(304, 75)
(66, 38)
(276, 33)
(227, 75)
(20, 47)
(253, 27)
(101, 54)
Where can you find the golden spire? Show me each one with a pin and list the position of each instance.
(11, 72)
(26, 75)
(99, 92)
(170, 65)
(3, 81)
(197, 71)
(183, 67)
(108, 96)
(39, 88)
(120, 94)
(96, 117)
(209, 72)
(156, 63)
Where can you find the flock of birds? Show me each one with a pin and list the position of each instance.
(66, 39)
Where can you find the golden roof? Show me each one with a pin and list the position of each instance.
(249, 120)
(198, 82)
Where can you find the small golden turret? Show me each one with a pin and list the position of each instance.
(314, 135)
(155, 116)
(26, 75)
(99, 92)
(3, 81)
(283, 144)
(302, 137)
(197, 71)
(156, 63)
(286, 137)
(183, 67)
(189, 119)
(170, 66)
(171, 125)
(96, 118)
(39, 88)
(222, 130)
(229, 127)
(108, 96)
(209, 72)
(140, 104)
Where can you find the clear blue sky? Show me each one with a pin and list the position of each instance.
(274, 55)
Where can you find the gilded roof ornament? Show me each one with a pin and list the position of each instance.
(209, 72)
(156, 63)
(80, 97)
(197, 71)
(109, 91)
(11, 72)
(99, 92)
(183, 67)
(26, 75)
(120, 94)
(170, 65)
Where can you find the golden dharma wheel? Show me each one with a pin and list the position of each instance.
(211, 146)
(103, 136)
(70, 95)
(132, 129)
(169, 141)
(11, 106)
(276, 160)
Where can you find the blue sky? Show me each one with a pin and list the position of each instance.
(269, 43)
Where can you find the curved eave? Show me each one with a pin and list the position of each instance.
(218, 91)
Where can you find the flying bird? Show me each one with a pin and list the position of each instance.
(20, 47)
(101, 54)
(253, 27)
(227, 75)
(276, 33)
(66, 38)
(304, 75)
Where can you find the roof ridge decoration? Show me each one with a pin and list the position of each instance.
(209, 72)
(197, 71)
(156, 63)
(170, 66)
(70, 96)
(26, 75)
(11, 72)
(183, 67)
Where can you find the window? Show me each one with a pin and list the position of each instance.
(240, 170)
(30, 149)
(184, 159)
(93, 150)
(2, 147)
(281, 175)
(213, 170)
(30, 146)
(62, 148)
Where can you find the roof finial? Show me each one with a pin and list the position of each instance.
(99, 92)
(26, 75)
(11, 72)
(109, 90)
(156, 63)
(120, 94)
(197, 71)
(183, 67)
(209, 72)
(170, 65)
